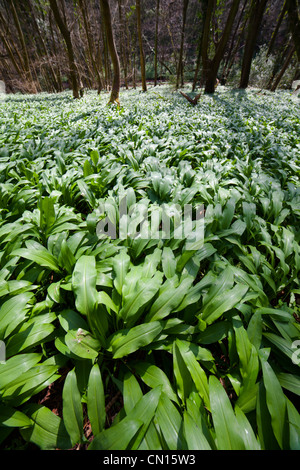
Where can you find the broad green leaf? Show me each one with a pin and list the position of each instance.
(126, 341)
(170, 423)
(193, 434)
(30, 337)
(263, 419)
(290, 382)
(116, 437)
(144, 410)
(144, 291)
(168, 262)
(182, 375)
(96, 400)
(246, 431)
(294, 426)
(197, 373)
(121, 263)
(223, 302)
(169, 297)
(13, 418)
(153, 376)
(81, 343)
(16, 366)
(132, 392)
(276, 402)
(29, 383)
(50, 436)
(225, 423)
(36, 252)
(71, 320)
(72, 408)
(84, 285)
(13, 312)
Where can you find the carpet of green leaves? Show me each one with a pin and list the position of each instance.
(196, 349)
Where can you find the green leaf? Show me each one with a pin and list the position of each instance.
(121, 263)
(39, 254)
(170, 423)
(247, 433)
(16, 366)
(126, 341)
(132, 392)
(276, 402)
(169, 297)
(84, 285)
(13, 418)
(48, 431)
(193, 434)
(197, 373)
(145, 289)
(153, 376)
(168, 262)
(96, 400)
(81, 343)
(116, 437)
(30, 337)
(72, 408)
(13, 312)
(224, 420)
(223, 302)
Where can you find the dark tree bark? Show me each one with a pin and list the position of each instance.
(83, 8)
(284, 68)
(257, 12)
(294, 23)
(115, 91)
(180, 60)
(25, 57)
(142, 53)
(211, 66)
(61, 23)
(156, 42)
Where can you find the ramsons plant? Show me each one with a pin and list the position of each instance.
(145, 342)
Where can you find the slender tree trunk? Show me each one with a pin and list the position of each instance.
(294, 23)
(83, 9)
(278, 24)
(59, 80)
(24, 48)
(114, 96)
(284, 68)
(67, 38)
(122, 42)
(180, 61)
(211, 66)
(256, 16)
(156, 42)
(142, 53)
(198, 63)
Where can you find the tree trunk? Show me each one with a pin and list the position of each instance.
(24, 48)
(180, 61)
(123, 43)
(142, 53)
(67, 38)
(198, 63)
(115, 91)
(256, 16)
(284, 68)
(211, 66)
(156, 42)
(294, 23)
(83, 9)
(278, 24)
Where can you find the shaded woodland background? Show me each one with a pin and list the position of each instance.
(51, 46)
